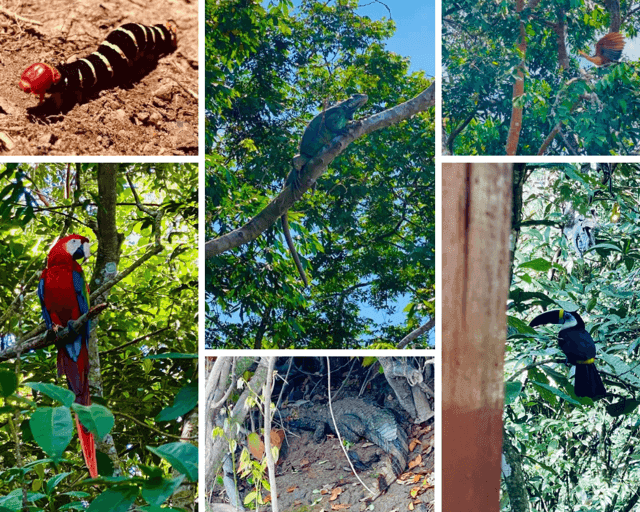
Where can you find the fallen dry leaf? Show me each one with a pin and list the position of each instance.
(414, 492)
(304, 462)
(293, 488)
(413, 444)
(267, 498)
(277, 438)
(415, 462)
(335, 493)
(411, 507)
(416, 479)
(341, 506)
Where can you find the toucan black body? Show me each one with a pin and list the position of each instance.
(577, 344)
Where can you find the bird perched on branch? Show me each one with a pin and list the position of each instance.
(608, 49)
(577, 344)
(64, 297)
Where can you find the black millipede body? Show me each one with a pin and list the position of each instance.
(111, 63)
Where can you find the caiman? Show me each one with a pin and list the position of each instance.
(358, 419)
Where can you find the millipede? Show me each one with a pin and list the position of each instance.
(110, 63)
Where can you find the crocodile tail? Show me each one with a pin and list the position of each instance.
(292, 249)
(389, 436)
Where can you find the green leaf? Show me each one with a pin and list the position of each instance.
(512, 391)
(557, 392)
(172, 355)
(185, 401)
(182, 456)
(74, 505)
(52, 428)
(539, 264)
(567, 305)
(157, 491)
(62, 395)
(8, 383)
(95, 418)
(522, 327)
(116, 499)
(624, 406)
(52, 482)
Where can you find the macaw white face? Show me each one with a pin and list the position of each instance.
(77, 249)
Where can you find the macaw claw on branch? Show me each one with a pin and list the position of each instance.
(64, 297)
(60, 337)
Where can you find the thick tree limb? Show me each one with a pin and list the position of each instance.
(315, 168)
(417, 332)
(44, 337)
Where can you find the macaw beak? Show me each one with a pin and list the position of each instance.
(86, 251)
(83, 252)
(550, 317)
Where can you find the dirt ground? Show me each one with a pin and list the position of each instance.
(156, 113)
(316, 477)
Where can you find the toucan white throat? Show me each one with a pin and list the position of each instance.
(567, 320)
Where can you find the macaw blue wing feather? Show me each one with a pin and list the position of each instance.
(45, 313)
(73, 349)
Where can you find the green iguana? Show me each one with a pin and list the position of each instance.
(325, 126)
(359, 419)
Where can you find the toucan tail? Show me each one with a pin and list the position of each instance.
(88, 448)
(588, 381)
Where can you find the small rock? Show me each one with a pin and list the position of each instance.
(121, 115)
(164, 92)
(159, 103)
(155, 118)
(6, 141)
(46, 139)
(143, 117)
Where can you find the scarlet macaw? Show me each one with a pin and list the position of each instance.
(64, 296)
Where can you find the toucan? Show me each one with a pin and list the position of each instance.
(577, 344)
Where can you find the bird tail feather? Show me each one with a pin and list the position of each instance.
(88, 448)
(588, 381)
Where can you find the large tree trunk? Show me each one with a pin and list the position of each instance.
(475, 268)
(106, 267)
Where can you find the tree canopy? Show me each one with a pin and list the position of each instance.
(366, 236)
(141, 220)
(566, 452)
(506, 60)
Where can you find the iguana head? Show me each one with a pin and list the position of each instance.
(355, 102)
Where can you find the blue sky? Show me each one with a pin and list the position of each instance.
(415, 35)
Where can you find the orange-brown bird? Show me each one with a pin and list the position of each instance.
(608, 49)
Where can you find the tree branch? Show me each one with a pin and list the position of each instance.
(314, 169)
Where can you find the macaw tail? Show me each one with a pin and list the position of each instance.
(88, 448)
(76, 372)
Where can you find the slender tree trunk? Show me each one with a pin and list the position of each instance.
(518, 90)
(475, 268)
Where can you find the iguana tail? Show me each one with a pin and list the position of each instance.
(292, 249)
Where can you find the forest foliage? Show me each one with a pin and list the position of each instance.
(574, 454)
(366, 236)
(140, 218)
(594, 110)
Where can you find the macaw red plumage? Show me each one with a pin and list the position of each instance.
(608, 49)
(64, 296)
